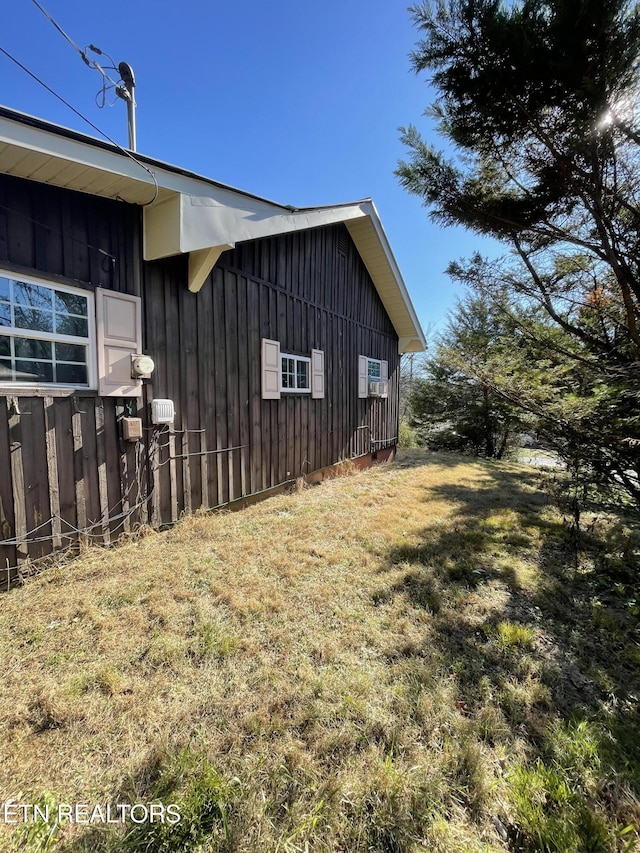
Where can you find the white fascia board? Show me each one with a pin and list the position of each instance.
(184, 222)
(416, 340)
(162, 229)
(202, 217)
(231, 218)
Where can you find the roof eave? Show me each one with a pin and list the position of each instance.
(189, 214)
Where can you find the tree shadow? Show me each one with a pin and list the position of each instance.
(173, 801)
(512, 618)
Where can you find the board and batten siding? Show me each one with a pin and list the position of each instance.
(63, 464)
(306, 290)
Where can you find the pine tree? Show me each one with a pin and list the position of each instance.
(455, 406)
(539, 100)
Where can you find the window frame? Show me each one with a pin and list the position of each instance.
(365, 378)
(89, 341)
(297, 358)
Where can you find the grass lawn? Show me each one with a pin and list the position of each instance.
(405, 659)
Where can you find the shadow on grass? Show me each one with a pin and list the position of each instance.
(513, 619)
(178, 803)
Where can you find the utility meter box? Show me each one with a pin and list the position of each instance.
(132, 429)
(162, 411)
(142, 366)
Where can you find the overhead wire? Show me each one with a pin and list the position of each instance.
(62, 32)
(91, 63)
(88, 121)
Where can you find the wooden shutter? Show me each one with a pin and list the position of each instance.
(363, 376)
(384, 376)
(270, 369)
(317, 374)
(119, 336)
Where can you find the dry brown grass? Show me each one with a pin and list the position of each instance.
(342, 657)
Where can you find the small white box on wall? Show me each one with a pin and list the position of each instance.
(162, 411)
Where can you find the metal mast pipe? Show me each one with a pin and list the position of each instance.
(131, 120)
(126, 73)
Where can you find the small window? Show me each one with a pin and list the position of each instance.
(46, 334)
(373, 375)
(374, 368)
(295, 373)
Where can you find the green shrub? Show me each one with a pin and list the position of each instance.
(407, 436)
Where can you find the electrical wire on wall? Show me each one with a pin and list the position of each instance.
(105, 519)
(107, 256)
(151, 452)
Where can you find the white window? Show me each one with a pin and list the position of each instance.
(373, 375)
(55, 336)
(295, 374)
(284, 373)
(47, 334)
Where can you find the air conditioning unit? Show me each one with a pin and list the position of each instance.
(379, 389)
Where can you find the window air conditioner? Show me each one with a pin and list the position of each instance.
(378, 389)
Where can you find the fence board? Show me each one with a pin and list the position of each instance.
(52, 471)
(8, 555)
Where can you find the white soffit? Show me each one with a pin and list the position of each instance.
(39, 154)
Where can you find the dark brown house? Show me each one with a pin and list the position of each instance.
(169, 343)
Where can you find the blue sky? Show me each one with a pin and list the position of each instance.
(298, 102)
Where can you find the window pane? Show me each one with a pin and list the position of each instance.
(37, 321)
(43, 311)
(288, 372)
(303, 374)
(27, 348)
(32, 295)
(72, 374)
(77, 326)
(70, 303)
(373, 369)
(34, 371)
(71, 352)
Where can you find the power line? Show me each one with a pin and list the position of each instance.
(84, 118)
(91, 63)
(62, 33)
